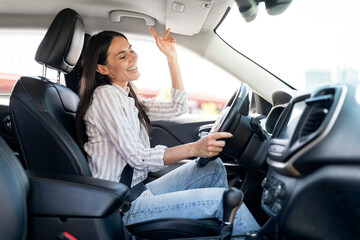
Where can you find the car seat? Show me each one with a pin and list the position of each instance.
(37, 207)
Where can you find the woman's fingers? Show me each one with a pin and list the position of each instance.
(166, 34)
(213, 144)
(219, 143)
(171, 40)
(220, 135)
(215, 149)
(215, 139)
(166, 43)
(153, 32)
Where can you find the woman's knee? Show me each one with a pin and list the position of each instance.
(219, 171)
(218, 164)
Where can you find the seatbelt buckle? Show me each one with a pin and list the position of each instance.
(125, 206)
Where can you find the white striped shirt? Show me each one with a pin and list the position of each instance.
(116, 136)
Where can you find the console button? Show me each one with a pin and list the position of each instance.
(276, 208)
(267, 197)
(276, 149)
(265, 182)
(279, 191)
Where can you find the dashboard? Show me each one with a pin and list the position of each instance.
(305, 121)
(312, 157)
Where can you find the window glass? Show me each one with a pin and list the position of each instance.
(312, 43)
(208, 86)
(17, 58)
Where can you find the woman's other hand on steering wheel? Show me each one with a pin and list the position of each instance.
(166, 43)
(211, 145)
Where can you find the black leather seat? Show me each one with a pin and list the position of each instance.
(43, 120)
(37, 207)
(14, 187)
(42, 112)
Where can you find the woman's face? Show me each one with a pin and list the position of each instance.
(121, 62)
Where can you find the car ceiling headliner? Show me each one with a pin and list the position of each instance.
(101, 8)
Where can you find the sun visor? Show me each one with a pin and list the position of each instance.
(187, 17)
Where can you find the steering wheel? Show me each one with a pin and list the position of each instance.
(229, 117)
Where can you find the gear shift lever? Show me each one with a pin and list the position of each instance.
(232, 200)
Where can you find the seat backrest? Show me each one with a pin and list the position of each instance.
(42, 112)
(14, 188)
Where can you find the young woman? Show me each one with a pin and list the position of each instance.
(117, 129)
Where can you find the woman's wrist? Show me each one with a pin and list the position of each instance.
(193, 149)
(172, 58)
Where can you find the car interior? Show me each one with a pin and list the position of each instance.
(293, 157)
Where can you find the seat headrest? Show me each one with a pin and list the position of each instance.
(62, 45)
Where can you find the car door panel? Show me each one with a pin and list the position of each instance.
(178, 131)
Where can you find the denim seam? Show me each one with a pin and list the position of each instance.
(195, 180)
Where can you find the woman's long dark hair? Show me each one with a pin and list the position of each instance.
(96, 53)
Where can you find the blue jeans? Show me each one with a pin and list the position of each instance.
(188, 192)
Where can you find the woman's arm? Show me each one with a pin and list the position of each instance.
(165, 109)
(166, 44)
(208, 146)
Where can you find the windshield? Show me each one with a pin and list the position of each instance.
(312, 43)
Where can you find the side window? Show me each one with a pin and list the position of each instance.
(208, 86)
(17, 58)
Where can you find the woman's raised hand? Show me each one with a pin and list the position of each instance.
(166, 43)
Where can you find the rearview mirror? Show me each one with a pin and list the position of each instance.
(249, 8)
(275, 7)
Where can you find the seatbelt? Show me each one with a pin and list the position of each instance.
(126, 178)
(126, 175)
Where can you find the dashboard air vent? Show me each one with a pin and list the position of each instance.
(314, 121)
(319, 108)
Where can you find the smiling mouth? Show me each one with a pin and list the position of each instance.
(132, 68)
